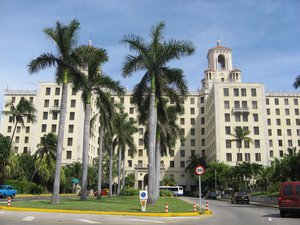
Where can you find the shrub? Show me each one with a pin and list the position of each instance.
(129, 192)
(26, 187)
(165, 193)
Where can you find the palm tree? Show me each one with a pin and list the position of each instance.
(152, 57)
(65, 37)
(46, 151)
(240, 135)
(193, 162)
(124, 130)
(94, 82)
(24, 109)
(297, 82)
(5, 153)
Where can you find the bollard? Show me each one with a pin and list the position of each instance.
(166, 208)
(195, 207)
(206, 208)
(8, 201)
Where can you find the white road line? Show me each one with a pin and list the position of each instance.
(28, 218)
(270, 219)
(149, 221)
(1, 212)
(87, 221)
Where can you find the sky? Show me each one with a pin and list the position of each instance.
(263, 35)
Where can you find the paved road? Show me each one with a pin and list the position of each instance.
(224, 214)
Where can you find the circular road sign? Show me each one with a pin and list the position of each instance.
(199, 170)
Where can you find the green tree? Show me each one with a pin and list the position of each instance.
(152, 57)
(168, 181)
(240, 135)
(129, 181)
(24, 109)
(5, 152)
(193, 162)
(65, 37)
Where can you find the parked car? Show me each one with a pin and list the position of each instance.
(211, 195)
(240, 197)
(103, 192)
(289, 198)
(7, 191)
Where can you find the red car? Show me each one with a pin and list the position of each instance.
(289, 198)
(103, 192)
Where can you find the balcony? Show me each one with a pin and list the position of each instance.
(55, 108)
(240, 110)
(145, 166)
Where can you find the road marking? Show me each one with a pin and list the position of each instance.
(270, 219)
(150, 221)
(28, 218)
(1, 212)
(86, 221)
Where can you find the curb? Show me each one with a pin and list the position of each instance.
(209, 212)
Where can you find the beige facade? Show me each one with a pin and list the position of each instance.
(223, 103)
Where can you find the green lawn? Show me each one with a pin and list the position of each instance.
(115, 204)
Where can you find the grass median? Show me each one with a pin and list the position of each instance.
(114, 204)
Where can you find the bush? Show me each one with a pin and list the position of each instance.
(129, 192)
(165, 193)
(26, 187)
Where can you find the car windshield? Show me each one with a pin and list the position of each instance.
(242, 193)
(2, 187)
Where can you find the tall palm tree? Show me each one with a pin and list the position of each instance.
(124, 130)
(24, 109)
(46, 151)
(152, 57)
(239, 136)
(296, 83)
(65, 37)
(94, 82)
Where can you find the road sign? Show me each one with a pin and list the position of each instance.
(199, 170)
(143, 195)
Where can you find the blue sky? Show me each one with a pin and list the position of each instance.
(263, 35)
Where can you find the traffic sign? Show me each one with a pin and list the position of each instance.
(143, 195)
(199, 170)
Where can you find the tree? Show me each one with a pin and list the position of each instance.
(5, 152)
(193, 162)
(24, 109)
(152, 57)
(240, 134)
(65, 37)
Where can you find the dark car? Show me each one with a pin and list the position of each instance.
(240, 197)
(211, 195)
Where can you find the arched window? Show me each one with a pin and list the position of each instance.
(221, 62)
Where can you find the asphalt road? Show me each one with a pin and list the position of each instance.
(224, 213)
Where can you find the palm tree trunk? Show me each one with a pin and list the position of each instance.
(119, 172)
(85, 151)
(101, 136)
(123, 176)
(151, 148)
(13, 134)
(60, 140)
(110, 170)
(157, 167)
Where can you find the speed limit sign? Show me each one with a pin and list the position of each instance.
(199, 170)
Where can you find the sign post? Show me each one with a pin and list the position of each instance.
(199, 170)
(143, 199)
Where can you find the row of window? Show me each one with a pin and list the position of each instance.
(246, 144)
(192, 121)
(57, 91)
(240, 92)
(287, 112)
(240, 104)
(288, 122)
(286, 101)
(247, 157)
(239, 116)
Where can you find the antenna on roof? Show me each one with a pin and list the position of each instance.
(218, 40)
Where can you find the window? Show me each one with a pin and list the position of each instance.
(45, 115)
(44, 128)
(140, 152)
(141, 131)
(141, 142)
(228, 157)
(236, 92)
(295, 101)
(227, 117)
(256, 130)
(46, 103)
(226, 105)
(297, 112)
(267, 101)
(130, 152)
(202, 110)
(8, 129)
(228, 143)
(193, 142)
(73, 103)
(256, 144)
(226, 91)
(172, 153)
(236, 104)
(268, 112)
(203, 131)
(257, 157)
(54, 115)
(269, 132)
(290, 143)
(69, 155)
(279, 133)
(280, 153)
(245, 117)
(192, 101)
(244, 104)
(53, 128)
(237, 117)
(278, 122)
(297, 122)
(131, 100)
(192, 131)
(48, 91)
(18, 129)
(246, 144)
(182, 153)
(70, 142)
(13, 99)
(74, 91)
(182, 164)
(289, 132)
(276, 101)
(277, 111)
(192, 111)
(172, 164)
(254, 104)
(182, 142)
(71, 129)
(131, 110)
(57, 91)
(270, 143)
(280, 143)
(239, 156)
(202, 142)
(72, 115)
(243, 92)
(202, 120)
(227, 130)
(181, 121)
(27, 129)
(202, 100)
(129, 163)
(140, 163)
(253, 92)
(56, 102)
(193, 121)
(287, 112)
(122, 100)
(255, 117)
(271, 154)
(247, 157)
(26, 139)
(269, 121)
(286, 101)
(193, 152)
